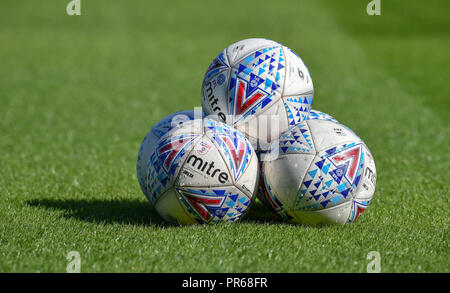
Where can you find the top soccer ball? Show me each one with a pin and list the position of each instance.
(258, 86)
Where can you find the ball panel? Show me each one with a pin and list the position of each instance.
(297, 108)
(331, 178)
(284, 176)
(204, 166)
(235, 52)
(270, 200)
(192, 127)
(366, 188)
(215, 95)
(144, 154)
(233, 146)
(326, 134)
(151, 138)
(165, 162)
(358, 207)
(214, 205)
(219, 63)
(298, 80)
(334, 215)
(170, 209)
(256, 82)
(317, 115)
(171, 121)
(248, 182)
(296, 140)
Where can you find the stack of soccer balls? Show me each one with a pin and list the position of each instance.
(256, 136)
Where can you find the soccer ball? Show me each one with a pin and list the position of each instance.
(258, 86)
(320, 172)
(202, 171)
(152, 137)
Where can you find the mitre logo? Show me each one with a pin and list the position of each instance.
(208, 168)
(213, 101)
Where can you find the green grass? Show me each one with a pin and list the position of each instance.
(78, 94)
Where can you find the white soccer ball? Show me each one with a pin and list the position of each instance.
(258, 86)
(152, 137)
(319, 172)
(202, 171)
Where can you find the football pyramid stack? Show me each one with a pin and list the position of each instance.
(256, 137)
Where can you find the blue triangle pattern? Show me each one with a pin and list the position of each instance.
(233, 197)
(335, 199)
(242, 200)
(313, 173)
(328, 183)
(319, 164)
(230, 203)
(342, 186)
(248, 59)
(345, 192)
(326, 168)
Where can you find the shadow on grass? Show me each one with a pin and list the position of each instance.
(132, 212)
(258, 213)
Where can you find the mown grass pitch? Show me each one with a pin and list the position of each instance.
(78, 94)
